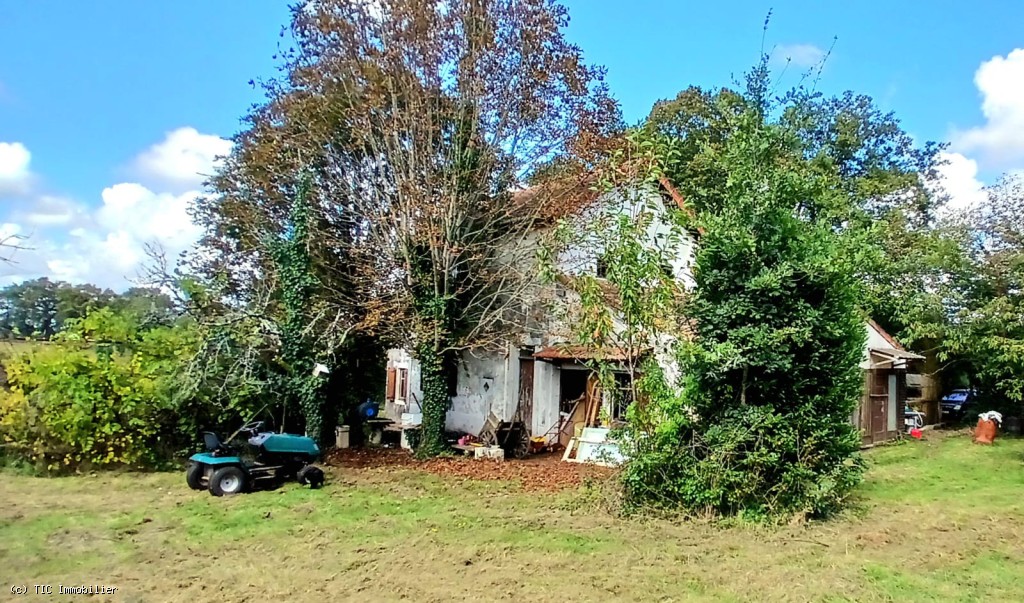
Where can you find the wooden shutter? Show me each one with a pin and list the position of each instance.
(389, 392)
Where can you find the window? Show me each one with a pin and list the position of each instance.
(389, 390)
(402, 385)
(621, 397)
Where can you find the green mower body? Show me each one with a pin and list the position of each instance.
(266, 459)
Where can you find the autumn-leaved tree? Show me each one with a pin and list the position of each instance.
(417, 121)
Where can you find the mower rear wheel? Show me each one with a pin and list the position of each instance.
(227, 481)
(194, 475)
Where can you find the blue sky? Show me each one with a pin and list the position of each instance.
(109, 109)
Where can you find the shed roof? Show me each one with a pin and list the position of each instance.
(892, 357)
(885, 335)
(579, 352)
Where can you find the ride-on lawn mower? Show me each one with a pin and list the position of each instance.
(268, 459)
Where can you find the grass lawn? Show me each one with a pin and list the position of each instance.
(936, 520)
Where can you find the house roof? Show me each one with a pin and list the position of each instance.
(579, 352)
(882, 357)
(556, 199)
(561, 198)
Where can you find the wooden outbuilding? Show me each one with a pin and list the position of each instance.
(886, 363)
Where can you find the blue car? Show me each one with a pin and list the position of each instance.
(957, 404)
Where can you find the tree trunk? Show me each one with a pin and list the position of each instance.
(435, 402)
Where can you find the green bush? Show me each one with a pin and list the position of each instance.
(102, 394)
(761, 427)
(752, 462)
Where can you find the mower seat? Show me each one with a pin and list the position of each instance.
(211, 441)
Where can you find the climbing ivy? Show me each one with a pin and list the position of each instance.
(436, 314)
(435, 401)
(299, 387)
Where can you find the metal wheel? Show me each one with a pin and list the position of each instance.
(229, 484)
(227, 481)
(522, 446)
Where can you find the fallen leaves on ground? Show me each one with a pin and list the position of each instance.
(539, 472)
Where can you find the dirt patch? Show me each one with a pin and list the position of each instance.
(539, 472)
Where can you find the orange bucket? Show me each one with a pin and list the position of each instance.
(985, 431)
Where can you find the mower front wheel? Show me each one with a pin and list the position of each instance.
(227, 481)
(194, 475)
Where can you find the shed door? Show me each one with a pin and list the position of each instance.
(879, 406)
(526, 393)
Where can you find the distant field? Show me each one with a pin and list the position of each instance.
(940, 520)
(13, 346)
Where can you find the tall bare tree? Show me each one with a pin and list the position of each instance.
(418, 121)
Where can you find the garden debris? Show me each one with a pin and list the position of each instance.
(541, 472)
(992, 416)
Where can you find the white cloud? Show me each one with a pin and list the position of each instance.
(106, 243)
(800, 55)
(958, 178)
(1000, 141)
(183, 160)
(143, 215)
(15, 177)
(109, 247)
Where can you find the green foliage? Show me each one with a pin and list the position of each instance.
(770, 380)
(883, 204)
(984, 336)
(40, 308)
(299, 347)
(104, 393)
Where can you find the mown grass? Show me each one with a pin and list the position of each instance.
(936, 520)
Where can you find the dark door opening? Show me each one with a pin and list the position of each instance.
(572, 391)
(526, 393)
(573, 384)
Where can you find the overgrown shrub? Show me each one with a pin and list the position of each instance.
(104, 393)
(770, 380)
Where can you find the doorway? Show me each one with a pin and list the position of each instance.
(572, 386)
(526, 392)
(882, 414)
